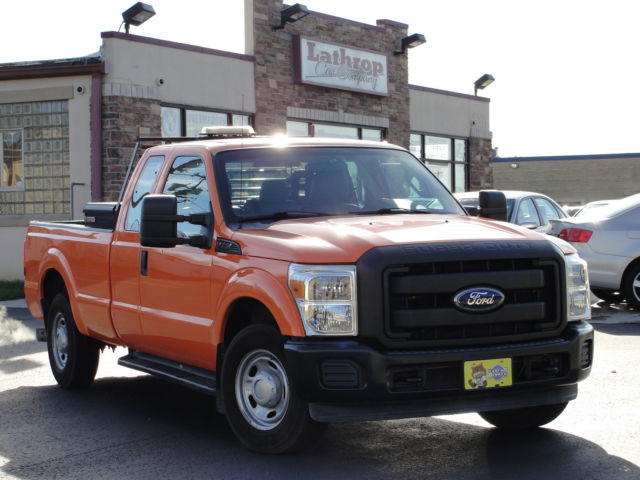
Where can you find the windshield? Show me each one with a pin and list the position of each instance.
(277, 183)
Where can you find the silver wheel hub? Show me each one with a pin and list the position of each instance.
(60, 341)
(636, 287)
(262, 389)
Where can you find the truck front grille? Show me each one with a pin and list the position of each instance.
(419, 304)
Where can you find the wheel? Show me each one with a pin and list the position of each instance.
(524, 418)
(262, 407)
(631, 286)
(73, 357)
(609, 296)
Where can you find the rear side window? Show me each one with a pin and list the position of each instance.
(527, 213)
(546, 209)
(187, 180)
(144, 185)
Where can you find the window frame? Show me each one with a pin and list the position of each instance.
(450, 163)
(183, 114)
(360, 128)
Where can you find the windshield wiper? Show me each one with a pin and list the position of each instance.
(283, 215)
(390, 210)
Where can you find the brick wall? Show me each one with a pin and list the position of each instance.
(123, 120)
(274, 71)
(480, 169)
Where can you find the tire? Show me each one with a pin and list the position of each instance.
(73, 357)
(524, 418)
(261, 405)
(631, 286)
(609, 296)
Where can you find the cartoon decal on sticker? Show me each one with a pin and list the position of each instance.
(479, 376)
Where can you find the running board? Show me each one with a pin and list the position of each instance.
(189, 376)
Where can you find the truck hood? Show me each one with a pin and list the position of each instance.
(345, 239)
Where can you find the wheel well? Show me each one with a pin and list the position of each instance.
(245, 312)
(633, 264)
(52, 284)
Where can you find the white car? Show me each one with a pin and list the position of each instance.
(527, 209)
(609, 240)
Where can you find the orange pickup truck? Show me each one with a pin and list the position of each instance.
(306, 281)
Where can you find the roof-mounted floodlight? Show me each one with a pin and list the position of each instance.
(291, 14)
(137, 15)
(409, 42)
(483, 82)
(227, 131)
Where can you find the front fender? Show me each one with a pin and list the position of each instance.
(268, 288)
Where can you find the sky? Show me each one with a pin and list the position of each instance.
(567, 71)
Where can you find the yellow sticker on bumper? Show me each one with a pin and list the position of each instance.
(481, 374)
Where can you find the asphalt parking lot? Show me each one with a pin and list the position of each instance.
(130, 425)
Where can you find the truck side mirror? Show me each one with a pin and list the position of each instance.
(493, 204)
(158, 221)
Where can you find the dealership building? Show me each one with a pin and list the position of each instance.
(68, 127)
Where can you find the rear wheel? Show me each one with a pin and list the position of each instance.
(524, 418)
(73, 357)
(609, 296)
(631, 286)
(262, 407)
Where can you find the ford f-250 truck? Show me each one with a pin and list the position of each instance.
(306, 281)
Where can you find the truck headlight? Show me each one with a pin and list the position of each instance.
(326, 298)
(578, 305)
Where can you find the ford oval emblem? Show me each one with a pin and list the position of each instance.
(479, 299)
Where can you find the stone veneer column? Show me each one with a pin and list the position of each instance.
(274, 71)
(480, 169)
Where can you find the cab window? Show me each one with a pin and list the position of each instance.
(527, 213)
(187, 180)
(143, 187)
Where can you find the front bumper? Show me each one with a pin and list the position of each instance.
(350, 381)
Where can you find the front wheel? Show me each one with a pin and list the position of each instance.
(73, 357)
(631, 287)
(262, 407)
(524, 418)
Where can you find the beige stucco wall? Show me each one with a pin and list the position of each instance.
(448, 114)
(571, 181)
(11, 240)
(13, 227)
(189, 78)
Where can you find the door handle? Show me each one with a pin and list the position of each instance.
(144, 259)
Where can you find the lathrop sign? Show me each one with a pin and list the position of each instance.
(339, 66)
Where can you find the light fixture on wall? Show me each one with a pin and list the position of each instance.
(483, 82)
(411, 41)
(515, 165)
(291, 14)
(137, 15)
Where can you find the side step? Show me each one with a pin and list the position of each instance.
(189, 376)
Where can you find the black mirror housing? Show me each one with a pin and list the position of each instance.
(493, 204)
(158, 228)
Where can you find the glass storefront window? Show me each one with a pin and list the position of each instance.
(415, 145)
(240, 120)
(297, 129)
(170, 122)
(335, 131)
(11, 175)
(446, 157)
(197, 119)
(374, 135)
(437, 148)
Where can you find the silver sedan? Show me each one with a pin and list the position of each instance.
(609, 240)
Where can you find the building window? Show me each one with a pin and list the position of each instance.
(446, 158)
(307, 129)
(179, 121)
(11, 175)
